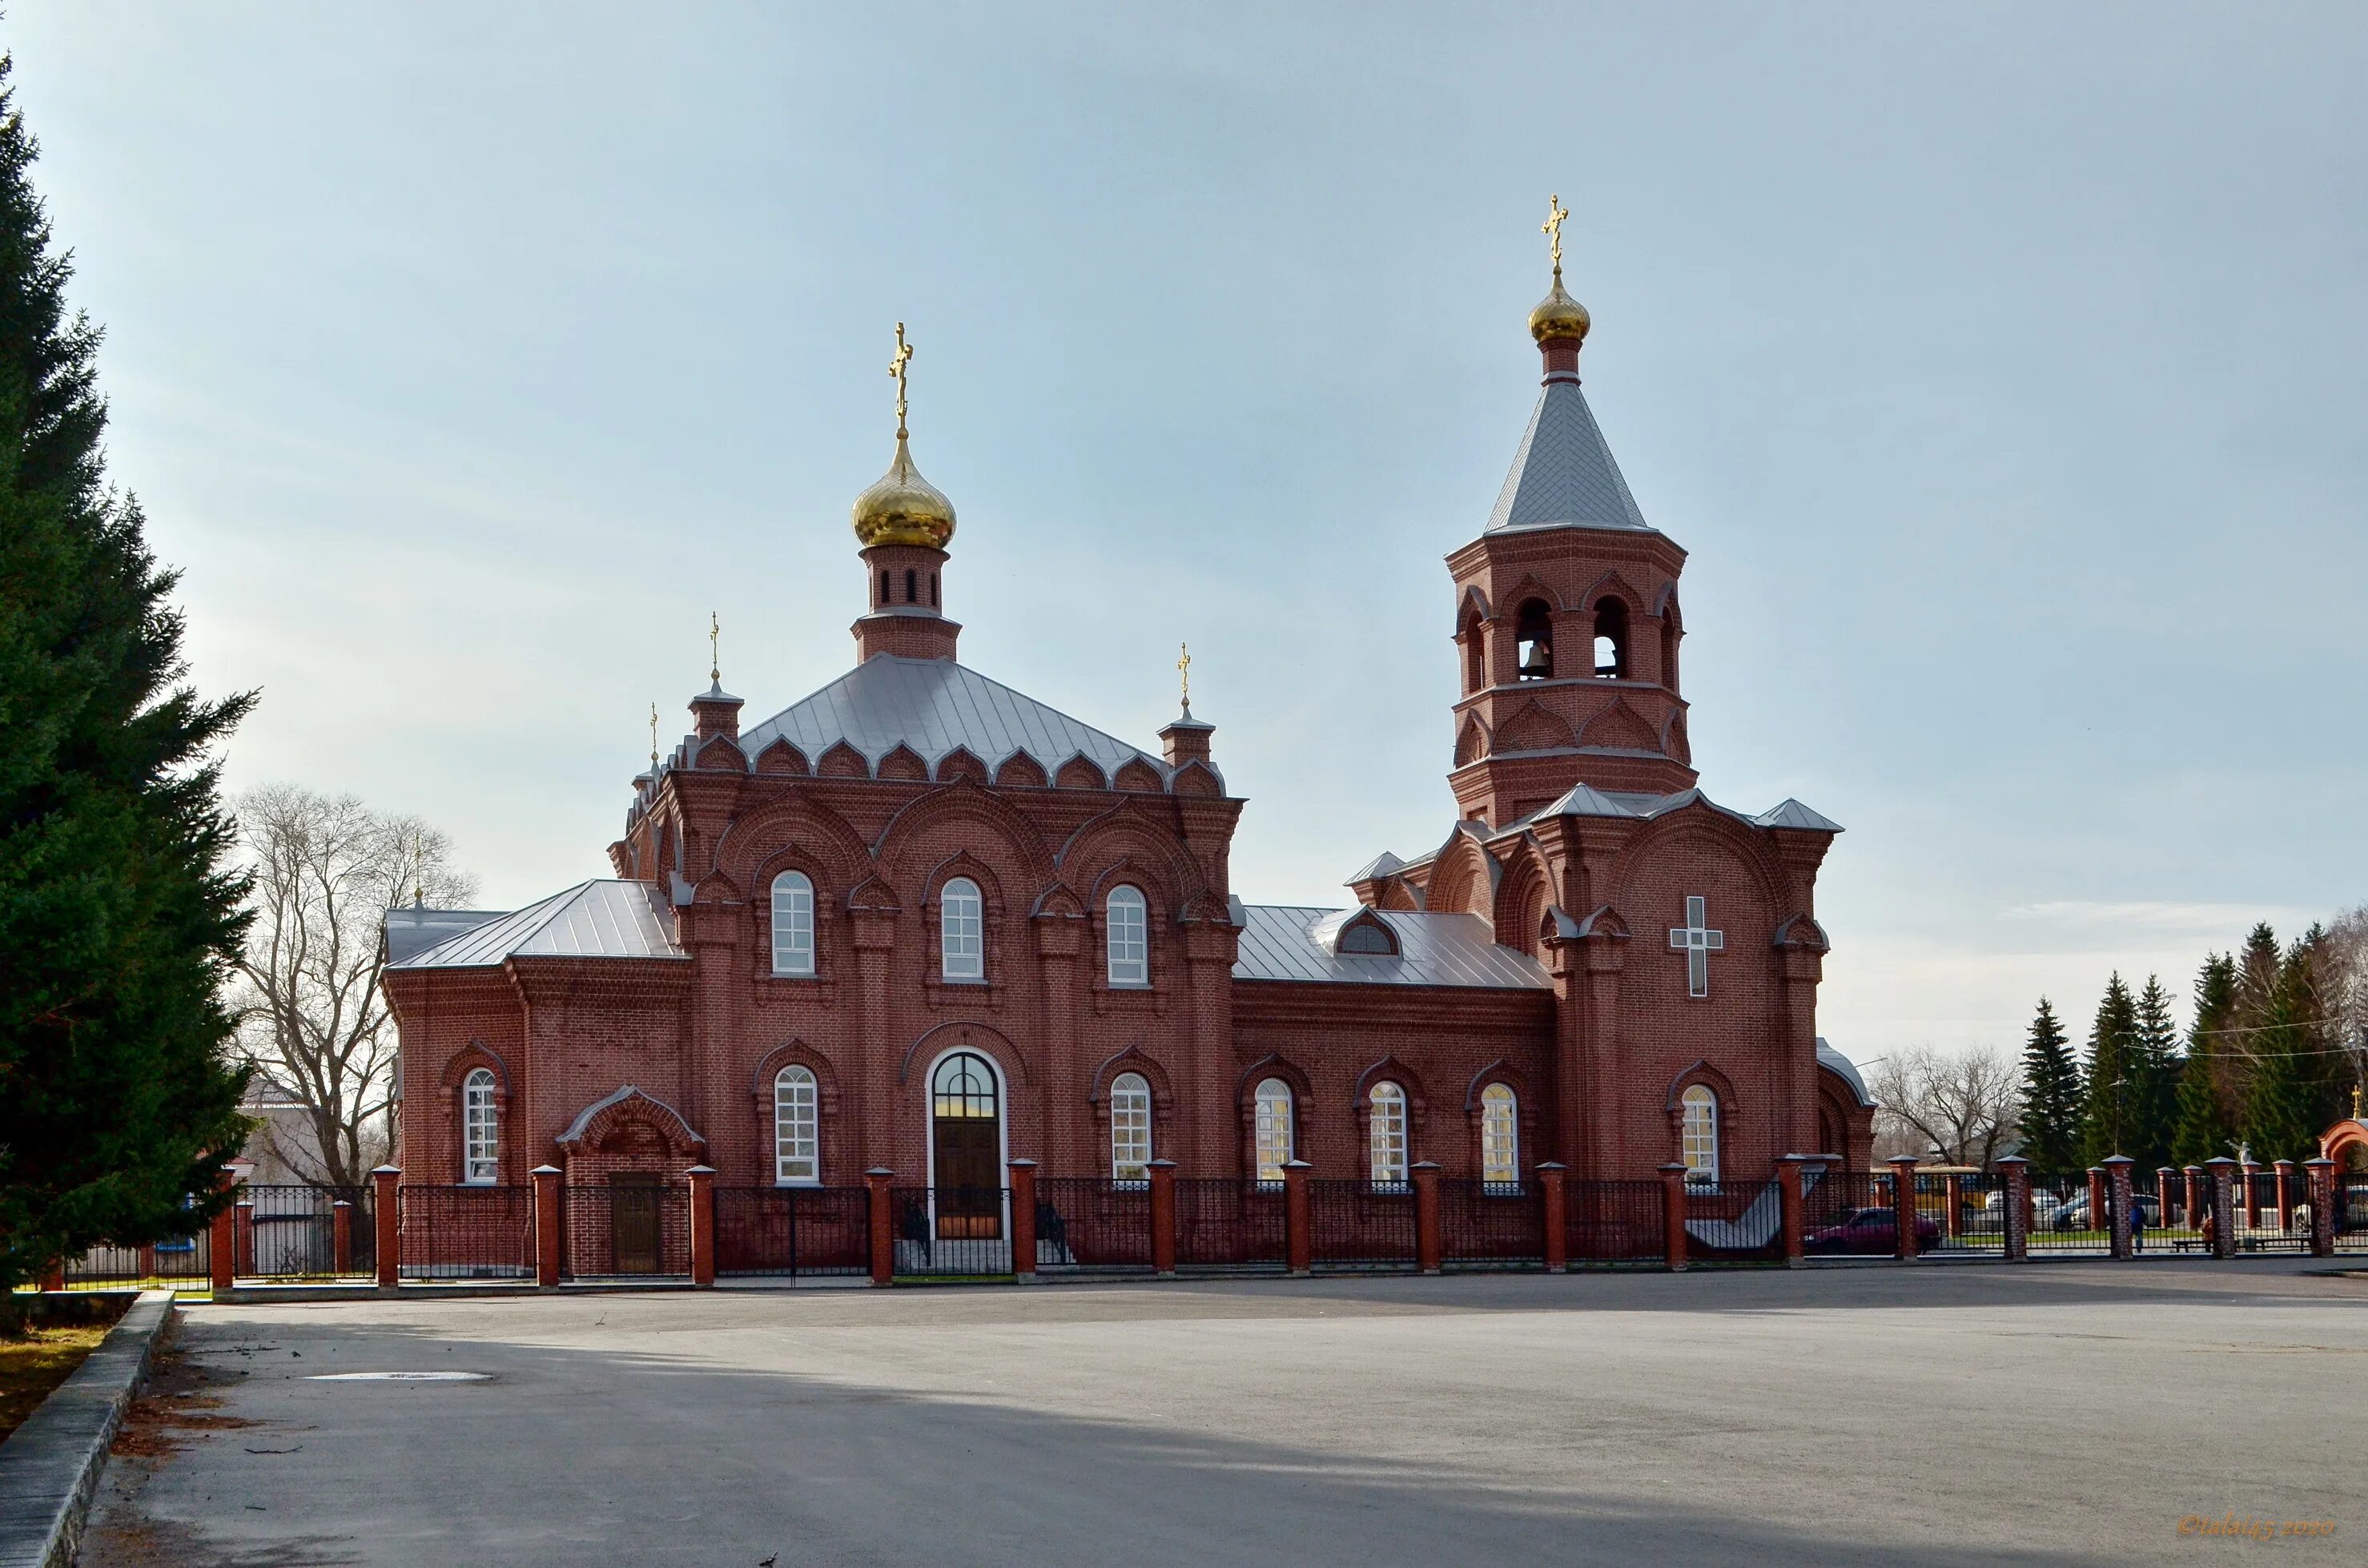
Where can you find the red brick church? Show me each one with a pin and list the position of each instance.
(918, 920)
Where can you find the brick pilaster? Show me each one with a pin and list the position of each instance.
(2117, 1201)
(1555, 1200)
(1299, 1242)
(2224, 1205)
(1789, 1190)
(1673, 1215)
(883, 1233)
(1426, 1248)
(1163, 1217)
(1023, 1219)
(2320, 1176)
(386, 1212)
(546, 1225)
(2014, 1209)
(702, 1224)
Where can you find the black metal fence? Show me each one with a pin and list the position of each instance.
(1735, 1221)
(1225, 1223)
(951, 1232)
(177, 1263)
(1091, 1224)
(1609, 1224)
(2350, 1220)
(292, 1231)
(1961, 1214)
(1355, 1224)
(1847, 1214)
(620, 1230)
(2061, 1222)
(1491, 1224)
(467, 1233)
(788, 1231)
(2277, 1218)
(2164, 1220)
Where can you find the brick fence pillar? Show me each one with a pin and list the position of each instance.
(2320, 1177)
(2289, 1193)
(702, 1225)
(386, 1219)
(2198, 1197)
(883, 1231)
(2117, 1199)
(1673, 1215)
(1555, 1200)
(1299, 1242)
(546, 1225)
(2252, 1209)
(2014, 1209)
(2224, 1205)
(1791, 1194)
(242, 1213)
(1903, 1207)
(53, 1274)
(1426, 1250)
(2098, 1200)
(2166, 1192)
(1163, 1217)
(1023, 1219)
(341, 1237)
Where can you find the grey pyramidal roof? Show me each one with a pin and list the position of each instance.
(933, 706)
(591, 920)
(1563, 474)
(1288, 942)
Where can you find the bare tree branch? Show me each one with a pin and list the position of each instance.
(1960, 1104)
(311, 1014)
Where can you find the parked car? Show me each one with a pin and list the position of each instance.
(2072, 1214)
(1868, 1231)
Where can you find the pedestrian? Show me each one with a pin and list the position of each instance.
(2302, 1219)
(2209, 1229)
(2137, 1223)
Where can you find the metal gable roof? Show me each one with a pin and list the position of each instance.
(933, 706)
(1562, 472)
(592, 920)
(1286, 942)
(411, 929)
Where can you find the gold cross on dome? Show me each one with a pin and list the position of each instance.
(896, 363)
(1184, 670)
(715, 647)
(1552, 229)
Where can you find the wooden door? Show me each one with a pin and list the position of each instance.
(633, 1222)
(966, 1135)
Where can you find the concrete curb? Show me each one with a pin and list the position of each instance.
(49, 1467)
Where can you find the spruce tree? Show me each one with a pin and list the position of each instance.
(2050, 1115)
(117, 919)
(2112, 1042)
(2286, 1100)
(2151, 1110)
(2207, 1105)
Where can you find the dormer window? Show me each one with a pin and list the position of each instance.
(1367, 935)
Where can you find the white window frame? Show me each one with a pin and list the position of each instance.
(481, 1128)
(1127, 922)
(1385, 1137)
(797, 1127)
(1130, 1128)
(1272, 1129)
(793, 923)
(1700, 1137)
(1500, 1138)
(962, 931)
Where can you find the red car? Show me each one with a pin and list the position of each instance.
(1869, 1232)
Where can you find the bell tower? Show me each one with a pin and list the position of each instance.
(1566, 620)
(904, 524)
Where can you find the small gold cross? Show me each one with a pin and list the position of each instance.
(896, 363)
(1552, 229)
(1184, 670)
(715, 646)
(653, 735)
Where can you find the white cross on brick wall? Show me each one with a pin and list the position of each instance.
(1697, 941)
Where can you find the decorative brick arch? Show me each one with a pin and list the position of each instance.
(961, 802)
(510, 1153)
(828, 1102)
(1133, 1059)
(1729, 1115)
(963, 1034)
(1612, 586)
(1471, 741)
(1128, 833)
(1390, 1069)
(835, 854)
(1271, 1065)
(2346, 1143)
(1462, 878)
(629, 1130)
(1522, 896)
(1526, 1153)
(1021, 771)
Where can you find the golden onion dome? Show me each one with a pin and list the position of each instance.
(904, 509)
(1558, 316)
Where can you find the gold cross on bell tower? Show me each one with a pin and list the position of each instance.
(896, 363)
(1552, 229)
(1184, 671)
(654, 736)
(715, 649)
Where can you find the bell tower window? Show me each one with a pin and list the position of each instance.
(1534, 637)
(1611, 639)
(912, 579)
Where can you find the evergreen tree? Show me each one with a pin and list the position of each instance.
(2152, 1106)
(118, 919)
(2285, 1102)
(2206, 1128)
(2050, 1116)
(2112, 1042)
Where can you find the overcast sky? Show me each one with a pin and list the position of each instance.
(2000, 367)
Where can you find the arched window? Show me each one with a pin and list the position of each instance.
(1475, 654)
(1533, 635)
(480, 1129)
(883, 585)
(1386, 1135)
(1500, 1137)
(793, 943)
(1273, 1129)
(797, 1128)
(1701, 1133)
(912, 591)
(1129, 948)
(933, 590)
(1130, 1112)
(962, 946)
(1611, 639)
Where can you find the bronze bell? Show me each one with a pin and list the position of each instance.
(1538, 663)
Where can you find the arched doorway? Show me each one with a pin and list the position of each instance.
(966, 1145)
